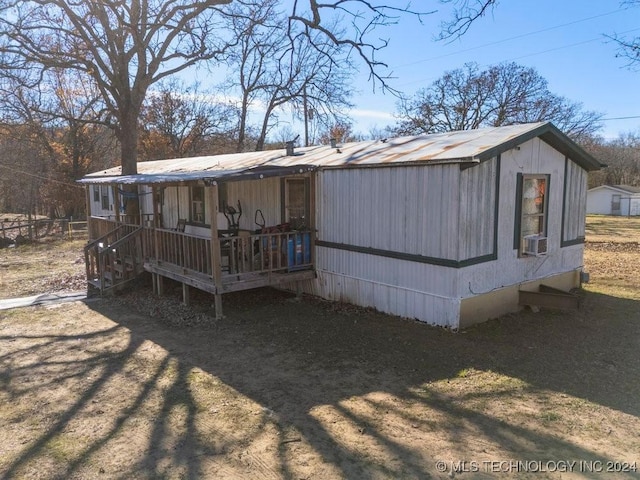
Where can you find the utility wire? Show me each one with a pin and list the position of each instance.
(15, 170)
(504, 40)
(535, 53)
(620, 118)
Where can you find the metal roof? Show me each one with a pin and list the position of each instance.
(621, 188)
(467, 146)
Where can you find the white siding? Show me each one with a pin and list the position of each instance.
(96, 206)
(146, 199)
(408, 289)
(575, 202)
(535, 157)
(411, 209)
(175, 205)
(477, 209)
(261, 194)
(253, 194)
(599, 201)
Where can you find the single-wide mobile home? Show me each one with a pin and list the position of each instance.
(446, 228)
(614, 200)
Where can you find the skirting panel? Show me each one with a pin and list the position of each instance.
(483, 307)
(394, 300)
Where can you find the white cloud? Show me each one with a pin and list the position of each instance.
(372, 114)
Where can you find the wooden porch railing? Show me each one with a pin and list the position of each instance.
(128, 247)
(269, 252)
(179, 249)
(100, 226)
(113, 256)
(242, 254)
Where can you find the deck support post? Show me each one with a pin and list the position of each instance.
(185, 294)
(116, 202)
(216, 268)
(88, 191)
(157, 280)
(159, 285)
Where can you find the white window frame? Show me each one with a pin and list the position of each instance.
(298, 220)
(543, 216)
(105, 202)
(197, 205)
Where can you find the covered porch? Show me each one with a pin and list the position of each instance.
(186, 243)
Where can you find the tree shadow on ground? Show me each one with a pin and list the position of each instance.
(323, 372)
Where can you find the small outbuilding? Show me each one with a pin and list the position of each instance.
(446, 228)
(614, 200)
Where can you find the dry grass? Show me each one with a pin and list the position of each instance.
(612, 254)
(284, 389)
(53, 265)
(607, 228)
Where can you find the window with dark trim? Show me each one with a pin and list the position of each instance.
(296, 203)
(96, 193)
(223, 197)
(197, 204)
(615, 203)
(104, 191)
(531, 213)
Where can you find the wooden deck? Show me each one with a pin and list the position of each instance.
(118, 253)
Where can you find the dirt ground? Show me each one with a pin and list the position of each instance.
(139, 387)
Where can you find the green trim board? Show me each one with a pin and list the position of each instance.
(410, 257)
(574, 241)
(496, 206)
(570, 243)
(518, 215)
(564, 200)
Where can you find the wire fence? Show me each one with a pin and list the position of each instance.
(19, 230)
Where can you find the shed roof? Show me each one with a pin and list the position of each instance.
(622, 188)
(467, 146)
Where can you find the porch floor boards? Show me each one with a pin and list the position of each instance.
(230, 282)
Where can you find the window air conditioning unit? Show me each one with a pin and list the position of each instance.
(535, 245)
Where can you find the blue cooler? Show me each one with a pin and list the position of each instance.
(298, 250)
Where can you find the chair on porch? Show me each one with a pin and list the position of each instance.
(182, 223)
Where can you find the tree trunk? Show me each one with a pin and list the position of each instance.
(128, 136)
(263, 131)
(242, 129)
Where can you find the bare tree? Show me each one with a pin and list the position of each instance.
(60, 120)
(126, 47)
(341, 132)
(628, 46)
(179, 121)
(622, 157)
(465, 13)
(504, 94)
(273, 70)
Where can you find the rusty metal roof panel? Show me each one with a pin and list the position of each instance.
(458, 147)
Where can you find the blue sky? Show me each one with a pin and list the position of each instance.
(564, 40)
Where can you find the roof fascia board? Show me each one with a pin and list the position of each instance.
(554, 137)
(175, 179)
(611, 187)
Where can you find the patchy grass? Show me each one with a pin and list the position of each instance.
(612, 255)
(282, 389)
(613, 229)
(40, 267)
